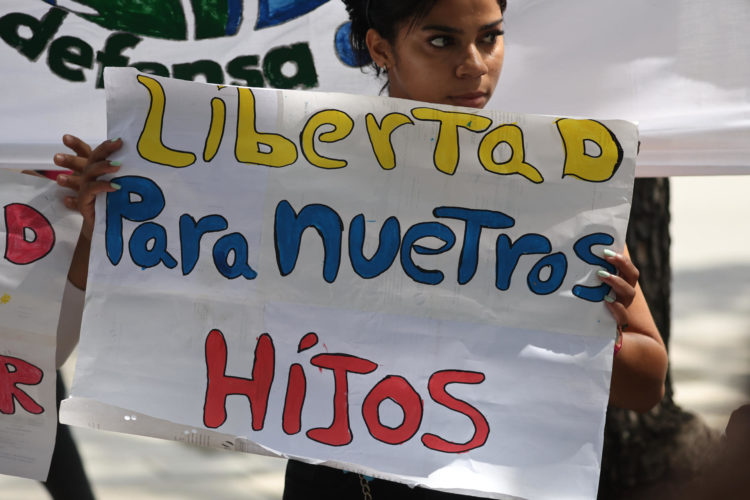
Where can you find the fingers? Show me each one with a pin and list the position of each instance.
(88, 170)
(624, 291)
(79, 147)
(103, 150)
(94, 170)
(74, 163)
(623, 283)
(69, 181)
(87, 167)
(75, 181)
(85, 158)
(625, 267)
(619, 312)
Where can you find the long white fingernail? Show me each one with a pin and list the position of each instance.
(609, 253)
(602, 273)
(609, 298)
(115, 185)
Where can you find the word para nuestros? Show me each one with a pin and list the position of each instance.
(591, 151)
(141, 200)
(69, 57)
(392, 387)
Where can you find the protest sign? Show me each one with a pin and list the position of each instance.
(36, 243)
(378, 284)
(684, 77)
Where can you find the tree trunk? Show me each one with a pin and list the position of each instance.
(666, 445)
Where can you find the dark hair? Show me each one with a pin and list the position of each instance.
(386, 17)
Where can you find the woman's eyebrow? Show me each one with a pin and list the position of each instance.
(450, 29)
(440, 27)
(491, 25)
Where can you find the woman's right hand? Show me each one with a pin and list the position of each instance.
(87, 166)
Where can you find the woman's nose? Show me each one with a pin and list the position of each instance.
(472, 64)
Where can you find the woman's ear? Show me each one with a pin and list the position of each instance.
(380, 49)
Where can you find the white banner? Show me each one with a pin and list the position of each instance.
(37, 235)
(677, 67)
(403, 289)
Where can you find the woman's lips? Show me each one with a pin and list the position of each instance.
(470, 99)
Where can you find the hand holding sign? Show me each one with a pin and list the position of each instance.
(87, 166)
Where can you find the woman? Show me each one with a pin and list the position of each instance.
(438, 51)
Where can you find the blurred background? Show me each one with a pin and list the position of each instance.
(709, 353)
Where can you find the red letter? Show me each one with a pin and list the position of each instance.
(18, 250)
(220, 386)
(398, 390)
(296, 388)
(309, 340)
(295, 397)
(339, 433)
(15, 371)
(437, 384)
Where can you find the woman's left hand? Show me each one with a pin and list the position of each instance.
(640, 367)
(623, 285)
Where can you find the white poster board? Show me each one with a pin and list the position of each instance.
(395, 288)
(37, 235)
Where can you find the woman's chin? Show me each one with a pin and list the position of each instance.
(469, 101)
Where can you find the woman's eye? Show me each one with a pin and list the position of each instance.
(492, 36)
(440, 41)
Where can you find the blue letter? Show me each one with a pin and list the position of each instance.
(507, 255)
(140, 252)
(417, 232)
(582, 249)
(237, 244)
(558, 265)
(475, 221)
(119, 206)
(190, 237)
(390, 236)
(288, 228)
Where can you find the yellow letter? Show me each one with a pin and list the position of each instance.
(216, 131)
(380, 136)
(578, 163)
(446, 149)
(342, 127)
(150, 146)
(282, 152)
(511, 135)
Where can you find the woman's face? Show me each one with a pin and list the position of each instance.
(452, 56)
